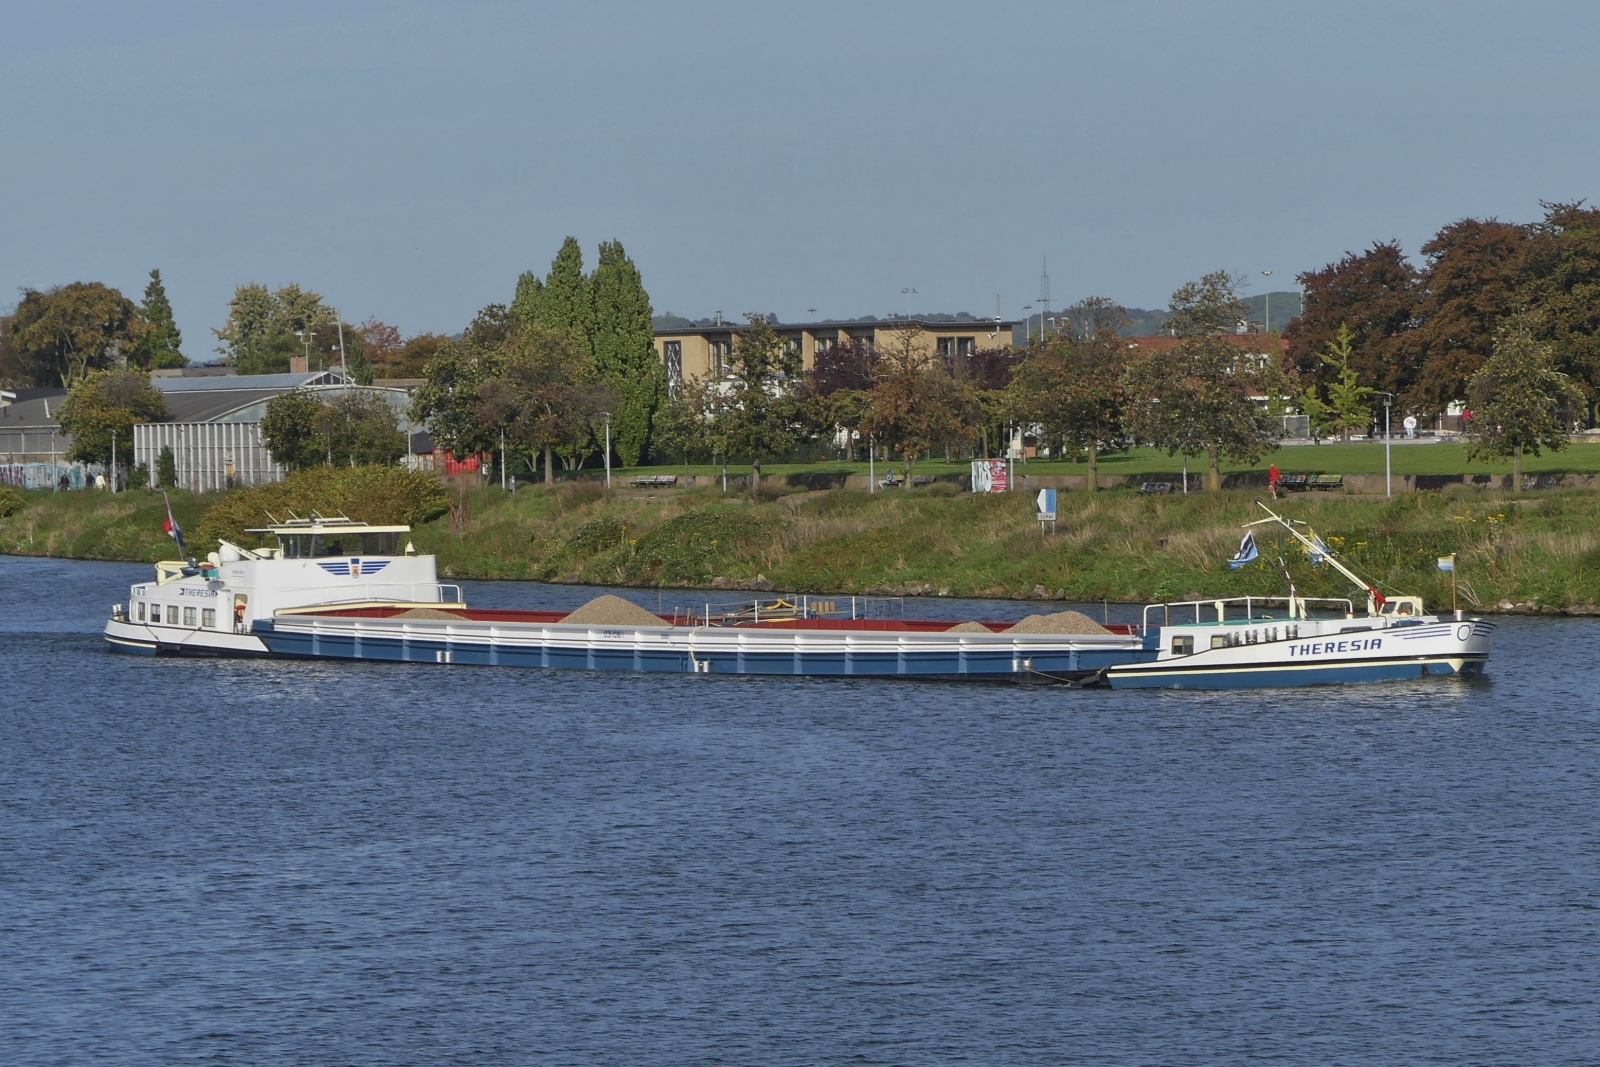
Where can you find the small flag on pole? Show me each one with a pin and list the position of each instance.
(1247, 551)
(1447, 564)
(170, 525)
(1319, 552)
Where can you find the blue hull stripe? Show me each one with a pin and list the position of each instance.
(940, 663)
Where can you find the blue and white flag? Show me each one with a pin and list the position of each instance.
(1447, 564)
(1318, 553)
(1247, 551)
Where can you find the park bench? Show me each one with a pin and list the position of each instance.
(1326, 482)
(1155, 487)
(663, 480)
(890, 481)
(1293, 482)
(922, 479)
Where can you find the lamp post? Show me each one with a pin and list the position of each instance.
(1388, 476)
(1268, 275)
(113, 461)
(607, 414)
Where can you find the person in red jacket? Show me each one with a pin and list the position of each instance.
(1273, 475)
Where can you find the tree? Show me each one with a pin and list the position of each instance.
(161, 343)
(916, 404)
(107, 402)
(62, 334)
(625, 352)
(1373, 295)
(1476, 268)
(1520, 401)
(289, 429)
(11, 370)
(1349, 403)
(306, 429)
(416, 355)
(682, 427)
(265, 328)
(544, 395)
(357, 428)
(565, 302)
(1071, 387)
(760, 416)
(1562, 287)
(1199, 399)
(446, 403)
(382, 346)
(1208, 306)
(166, 469)
(846, 365)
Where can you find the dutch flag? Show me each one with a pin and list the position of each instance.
(170, 526)
(1247, 551)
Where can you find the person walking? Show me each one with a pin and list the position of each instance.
(1273, 476)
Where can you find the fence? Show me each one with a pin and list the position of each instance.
(208, 455)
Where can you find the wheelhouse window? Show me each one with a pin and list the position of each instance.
(351, 543)
(141, 611)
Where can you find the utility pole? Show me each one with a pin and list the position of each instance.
(113, 461)
(1388, 476)
(607, 414)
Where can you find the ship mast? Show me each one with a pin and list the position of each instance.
(1374, 598)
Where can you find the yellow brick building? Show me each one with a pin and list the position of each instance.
(707, 351)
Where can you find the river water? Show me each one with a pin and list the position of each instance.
(260, 862)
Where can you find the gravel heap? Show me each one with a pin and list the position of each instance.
(428, 613)
(611, 610)
(970, 628)
(1062, 622)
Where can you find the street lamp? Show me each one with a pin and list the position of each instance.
(1388, 477)
(1268, 274)
(607, 414)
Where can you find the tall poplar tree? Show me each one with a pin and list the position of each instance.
(160, 346)
(565, 303)
(624, 350)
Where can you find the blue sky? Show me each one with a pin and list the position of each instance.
(409, 160)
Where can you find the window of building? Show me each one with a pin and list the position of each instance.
(208, 618)
(672, 357)
(189, 616)
(952, 349)
(721, 358)
(825, 344)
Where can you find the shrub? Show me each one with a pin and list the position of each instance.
(11, 501)
(693, 548)
(166, 469)
(379, 495)
(597, 536)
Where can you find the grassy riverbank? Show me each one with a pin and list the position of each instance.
(1534, 552)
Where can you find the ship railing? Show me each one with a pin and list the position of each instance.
(1242, 608)
(787, 609)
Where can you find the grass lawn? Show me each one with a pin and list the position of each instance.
(1357, 458)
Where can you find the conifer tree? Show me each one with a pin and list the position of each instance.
(565, 303)
(162, 343)
(624, 350)
(525, 305)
